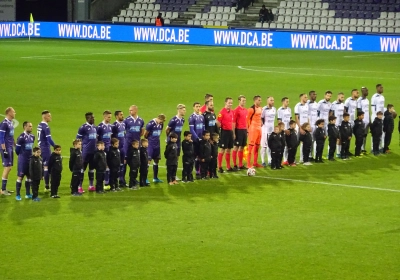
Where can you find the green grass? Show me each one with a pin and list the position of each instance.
(318, 222)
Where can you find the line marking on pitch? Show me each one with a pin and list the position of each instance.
(111, 53)
(323, 183)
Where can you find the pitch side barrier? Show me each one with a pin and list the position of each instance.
(202, 36)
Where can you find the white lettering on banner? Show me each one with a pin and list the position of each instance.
(243, 38)
(162, 35)
(390, 44)
(84, 31)
(322, 42)
(19, 29)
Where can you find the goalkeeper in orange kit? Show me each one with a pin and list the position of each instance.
(254, 130)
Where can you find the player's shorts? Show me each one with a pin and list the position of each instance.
(240, 138)
(255, 136)
(88, 161)
(265, 133)
(178, 143)
(7, 162)
(366, 130)
(226, 140)
(46, 153)
(23, 168)
(153, 152)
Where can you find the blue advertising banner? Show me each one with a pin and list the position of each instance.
(202, 36)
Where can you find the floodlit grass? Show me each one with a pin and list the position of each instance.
(330, 221)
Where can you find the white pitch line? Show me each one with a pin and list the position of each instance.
(324, 183)
(305, 74)
(111, 53)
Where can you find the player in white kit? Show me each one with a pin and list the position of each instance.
(378, 104)
(301, 113)
(324, 107)
(350, 107)
(337, 110)
(313, 116)
(268, 119)
(285, 115)
(363, 106)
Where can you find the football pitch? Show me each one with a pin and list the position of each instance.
(335, 220)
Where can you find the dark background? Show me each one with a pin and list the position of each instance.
(42, 10)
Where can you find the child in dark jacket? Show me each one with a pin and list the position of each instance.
(376, 131)
(275, 145)
(345, 136)
(283, 140)
(171, 155)
(188, 157)
(319, 136)
(133, 160)
(334, 137)
(75, 166)
(359, 132)
(204, 154)
(306, 138)
(55, 170)
(388, 127)
(35, 172)
(144, 163)
(292, 143)
(100, 165)
(113, 163)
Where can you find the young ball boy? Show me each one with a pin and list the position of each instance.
(345, 136)
(133, 160)
(114, 162)
(100, 165)
(144, 163)
(204, 154)
(35, 172)
(388, 127)
(275, 145)
(306, 138)
(76, 166)
(55, 167)
(292, 143)
(319, 136)
(188, 157)
(334, 137)
(171, 155)
(359, 132)
(212, 168)
(376, 131)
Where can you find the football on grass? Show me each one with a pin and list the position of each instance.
(251, 171)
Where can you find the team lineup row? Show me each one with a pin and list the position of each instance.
(234, 126)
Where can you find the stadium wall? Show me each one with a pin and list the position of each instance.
(202, 36)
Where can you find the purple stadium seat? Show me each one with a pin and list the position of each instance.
(206, 9)
(338, 14)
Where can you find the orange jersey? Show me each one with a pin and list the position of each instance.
(254, 117)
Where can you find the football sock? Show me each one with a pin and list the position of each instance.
(197, 166)
(301, 152)
(338, 149)
(3, 184)
(220, 155)
(363, 145)
(81, 179)
(255, 149)
(28, 186)
(240, 155)
(249, 153)
(263, 152)
(106, 176)
(91, 177)
(285, 154)
(46, 177)
(18, 186)
(228, 160)
(155, 170)
(314, 148)
(234, 157)
(269, 155)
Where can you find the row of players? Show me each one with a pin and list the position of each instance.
(234, 125)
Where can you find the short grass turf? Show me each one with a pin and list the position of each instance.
(330, 221)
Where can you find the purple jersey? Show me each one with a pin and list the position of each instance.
(133, 128)
(7, 134)
(44, 136)
(176, 126)
(24, 146)
(104, 132)
(88, 133)
(154, 130)
(118, 131)
(196, 125)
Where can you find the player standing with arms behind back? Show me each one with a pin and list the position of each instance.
(378, 105)
(118, 132)
(44, 142)
(363, 106)
(324, 107)
(7, 147)
(196, 126)
(104, 132)
(255, 131)
(313, 117)
(301, 112)
(268, 120)
(225, 122)
(240, 127)
(285, 115)
(337, 110)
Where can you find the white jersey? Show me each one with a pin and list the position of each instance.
(285, 115)
(268, 117)
(312, 113)
(302, 111)
(323, 110)
(363, 105)
(377, 104)
(351, 105)
(338, 110)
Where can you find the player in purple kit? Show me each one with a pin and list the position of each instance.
(104, 131)
(45, 141)
(23, 149)
(134, 127)
(196, 126)
(118, 132)
(175, 125)
(88, 134)
(153, 133)
(7, 147)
